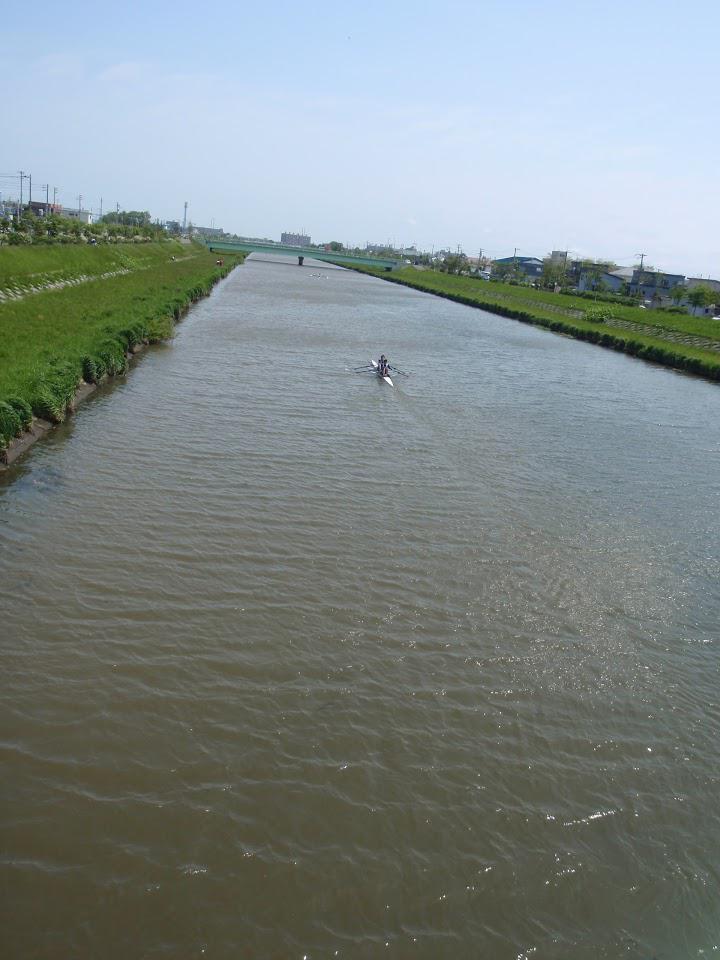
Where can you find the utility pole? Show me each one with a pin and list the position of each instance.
(642, 258)
(23, 176)
(101, 208)
(54, 195)
(185, 216)
(79, 203)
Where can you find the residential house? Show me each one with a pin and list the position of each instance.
(614, 281)
(529, 267)
(655, 286)
(714, 285)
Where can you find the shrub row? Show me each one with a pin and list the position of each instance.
(598, 315)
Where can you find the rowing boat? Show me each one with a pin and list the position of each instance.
(377, 368)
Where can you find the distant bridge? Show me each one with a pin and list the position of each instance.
(285, 250)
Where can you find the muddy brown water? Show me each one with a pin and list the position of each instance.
(298, 665)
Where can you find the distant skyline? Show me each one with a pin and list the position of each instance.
(585, 126)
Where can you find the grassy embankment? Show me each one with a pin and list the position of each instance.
(683, 342)
(53, 340)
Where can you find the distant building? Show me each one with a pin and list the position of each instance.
(558, 258)
(295, 239)
(702, 282)
(215, 232)
(614, 281)
(654, 285)
(530, 267)
(42, 209)
(9, 207)
(72, 213)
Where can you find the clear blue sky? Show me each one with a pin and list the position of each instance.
(531, 123)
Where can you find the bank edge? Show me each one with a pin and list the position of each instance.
(643, 347)
(23, 421)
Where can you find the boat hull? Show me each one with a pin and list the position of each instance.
(380, 376)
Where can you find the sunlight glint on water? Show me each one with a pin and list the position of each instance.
(296, 664)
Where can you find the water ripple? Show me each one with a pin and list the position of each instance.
(298, 665)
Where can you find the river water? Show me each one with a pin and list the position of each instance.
(296, 664)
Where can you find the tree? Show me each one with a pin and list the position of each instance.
(701, 296)
(506, 271)
(335, 246)
(554, 273)
(455, 263)
(129, 218)
(678, 293)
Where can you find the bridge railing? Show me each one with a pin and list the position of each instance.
(317, 252)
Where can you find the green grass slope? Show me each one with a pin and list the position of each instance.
(51, 341)
(35, 263)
